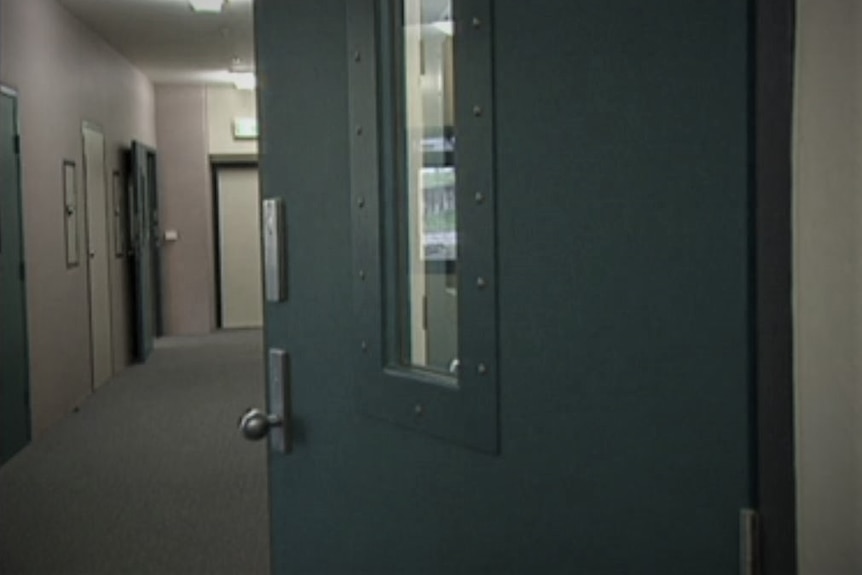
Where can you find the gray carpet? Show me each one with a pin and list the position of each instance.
(150, 476)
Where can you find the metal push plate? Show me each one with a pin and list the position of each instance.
(274, 262)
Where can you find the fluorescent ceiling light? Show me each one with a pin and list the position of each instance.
(212, 6)
(244, 80)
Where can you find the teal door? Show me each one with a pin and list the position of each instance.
(142, 266)
(155, 243)
(14, 368)
(599, 417)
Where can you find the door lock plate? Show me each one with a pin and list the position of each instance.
(278, 370)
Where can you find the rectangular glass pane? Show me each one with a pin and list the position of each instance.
(429, 335)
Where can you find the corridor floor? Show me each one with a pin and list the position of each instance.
(151, 475)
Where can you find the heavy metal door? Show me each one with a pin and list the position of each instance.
(599, 416)
(14, 360)
(142, 265)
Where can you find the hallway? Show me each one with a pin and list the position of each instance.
(151, 475)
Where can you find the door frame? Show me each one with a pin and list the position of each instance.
(774, 29)
(12, 93)
(95, 127)
(216, 165)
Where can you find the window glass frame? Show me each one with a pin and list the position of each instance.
(462, 409)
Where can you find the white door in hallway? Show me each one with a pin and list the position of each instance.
(239, 248)
(98, 254)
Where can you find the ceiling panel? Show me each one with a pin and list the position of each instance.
(169, 42)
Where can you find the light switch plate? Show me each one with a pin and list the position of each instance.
(280, 437)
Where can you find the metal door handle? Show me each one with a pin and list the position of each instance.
(255, 424)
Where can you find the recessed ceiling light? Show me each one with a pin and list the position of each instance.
(211, 6)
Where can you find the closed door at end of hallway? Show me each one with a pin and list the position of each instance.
(238, 201)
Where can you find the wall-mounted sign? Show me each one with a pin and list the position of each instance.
(245, 128)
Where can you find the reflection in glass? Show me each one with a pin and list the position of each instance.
(429, 332)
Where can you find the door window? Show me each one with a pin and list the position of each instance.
(429, 238)
(423, 216)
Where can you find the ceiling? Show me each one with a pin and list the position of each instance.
(169, 42)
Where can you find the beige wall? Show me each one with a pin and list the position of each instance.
(194, 123)
(186, 204)
(828, 285)
(65, 74)
(224, 103)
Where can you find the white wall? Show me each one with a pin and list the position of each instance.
(66, 74)
(224, 104)
(828, 278)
